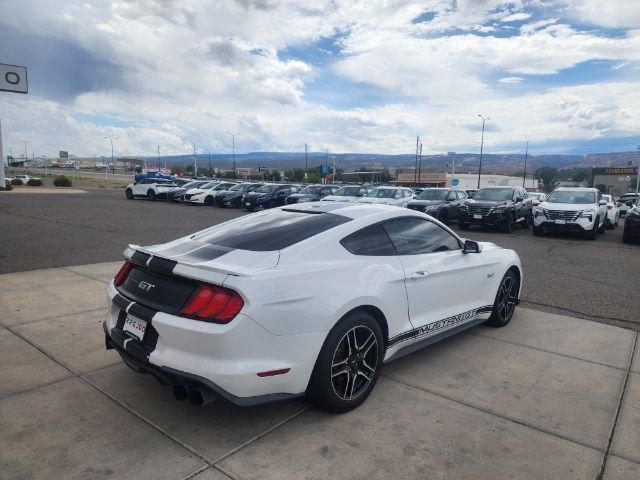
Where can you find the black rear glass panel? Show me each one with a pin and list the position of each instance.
(270, 231)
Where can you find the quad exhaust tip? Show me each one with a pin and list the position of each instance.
(197, 396)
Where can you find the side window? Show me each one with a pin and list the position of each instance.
(415, 236)
(372, 241)
(461, 195)
(326, 191)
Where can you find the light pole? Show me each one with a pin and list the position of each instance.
(526, 153)
(106, 169)
(233, 140)
(25, 150)
(481, 147)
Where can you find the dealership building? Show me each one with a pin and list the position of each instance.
(615, 180)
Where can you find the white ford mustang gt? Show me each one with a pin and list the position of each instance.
(310, 298)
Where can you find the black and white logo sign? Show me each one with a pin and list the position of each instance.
(13, 78)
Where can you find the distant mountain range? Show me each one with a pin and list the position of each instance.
(465, 162)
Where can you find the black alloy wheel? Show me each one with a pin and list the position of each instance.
(505, 302)
(129, 194)
(151, 195)
(348, 365)
(593, 233)
(208, 201)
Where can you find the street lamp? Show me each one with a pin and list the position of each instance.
(106, 170)
(481, 147)
(233, 137)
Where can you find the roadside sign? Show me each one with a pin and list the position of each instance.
(63, 154)
(13, 78)
(262, 168)
(455, 182)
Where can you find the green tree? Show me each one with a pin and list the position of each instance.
(177, 169)
(548, 176)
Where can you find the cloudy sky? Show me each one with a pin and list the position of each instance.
(347, 75)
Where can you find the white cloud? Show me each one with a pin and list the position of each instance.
(191, 70)
(511, 80)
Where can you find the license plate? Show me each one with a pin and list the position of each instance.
(477, 216)
(561, 222)
(248, 204)
(135, 327)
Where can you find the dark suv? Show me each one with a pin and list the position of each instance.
(312, 193)
(268, 196)
(441, 203)
(496, 207)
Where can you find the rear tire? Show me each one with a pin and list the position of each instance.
(537, 231)
(626, 237)
(348, 365)
(505, 302)
(443, 217)
(151, 195)
(129, 194)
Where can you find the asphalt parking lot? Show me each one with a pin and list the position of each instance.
(550, 396)
(564, 274)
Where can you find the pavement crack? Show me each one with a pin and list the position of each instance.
(625, 384)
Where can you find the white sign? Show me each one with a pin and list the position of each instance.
(13, 78)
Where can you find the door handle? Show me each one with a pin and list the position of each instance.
(418, 275)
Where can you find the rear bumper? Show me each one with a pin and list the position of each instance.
(632, 227)
(224, 358)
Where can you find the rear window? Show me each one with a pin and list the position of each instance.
(270, 231)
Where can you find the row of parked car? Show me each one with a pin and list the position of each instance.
(582, 210)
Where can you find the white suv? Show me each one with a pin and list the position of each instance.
(572, 209)
(150, 188)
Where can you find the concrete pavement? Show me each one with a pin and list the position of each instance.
(548, 397)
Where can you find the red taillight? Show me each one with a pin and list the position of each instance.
(122, 275)
(609, 206)
(214, 304)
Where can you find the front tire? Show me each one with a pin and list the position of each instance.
(511, 222)
(505, 302)
(129, 194)
(537, 231)
(151, 195)
(348, 365)
(208, 201)
(443, 217)
(593, 233)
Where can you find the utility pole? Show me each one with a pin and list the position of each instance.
(306, 162)
(524, 175)
(415, 167)
(158, 158)
(25, 149)
(210, 171)
(233, 140)
(481, 147)
(419, 157)
(333, 178)
(195, 162)
(106, 169)
(326, 167)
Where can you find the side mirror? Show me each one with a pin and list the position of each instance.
(471, 247)
(602, 202)
(519, 199)
(629, 203)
